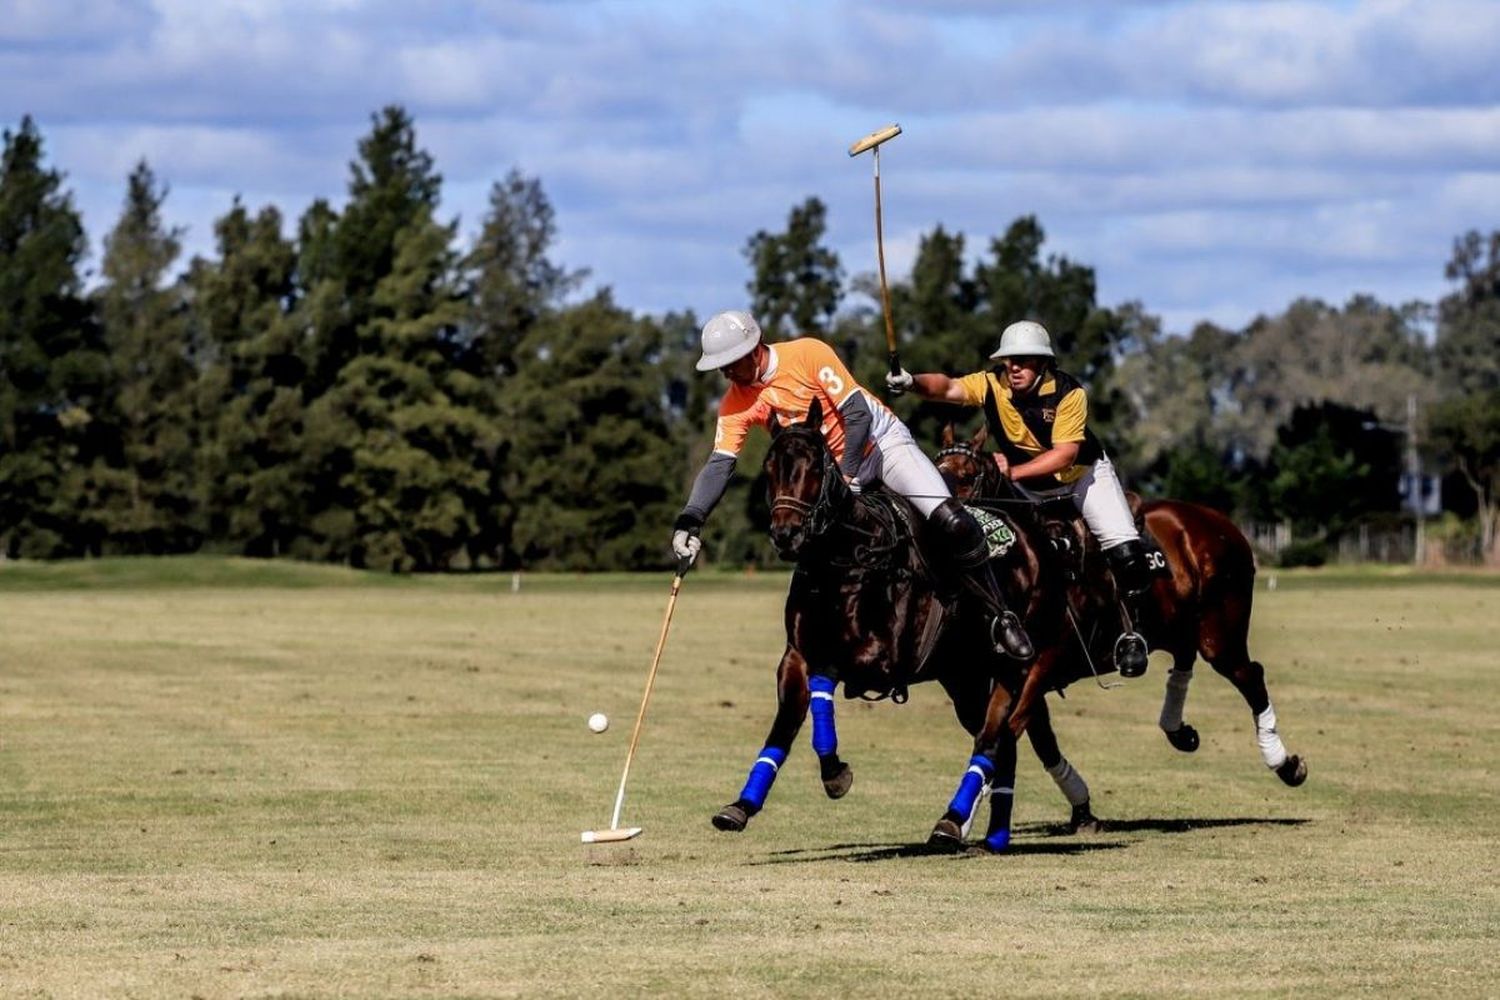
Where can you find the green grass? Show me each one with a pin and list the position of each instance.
(231, 778)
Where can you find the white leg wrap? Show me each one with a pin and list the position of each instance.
(1272, 750)
(1070, 782)
(1171, 705)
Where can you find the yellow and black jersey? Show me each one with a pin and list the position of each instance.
(1022, 427)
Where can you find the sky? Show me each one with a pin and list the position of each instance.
(1211, 160)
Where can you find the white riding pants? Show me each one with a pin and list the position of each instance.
(1100, 498)
(904, 468)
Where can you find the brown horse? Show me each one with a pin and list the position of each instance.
(866, 609)
(1199, 607)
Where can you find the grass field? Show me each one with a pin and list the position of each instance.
(223, 778)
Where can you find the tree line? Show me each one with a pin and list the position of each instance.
(366, 386)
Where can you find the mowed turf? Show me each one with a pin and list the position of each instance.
(221, 778)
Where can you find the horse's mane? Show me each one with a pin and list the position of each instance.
(875, 530)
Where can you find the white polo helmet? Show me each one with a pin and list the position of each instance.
(1025, 339)
(728, 337)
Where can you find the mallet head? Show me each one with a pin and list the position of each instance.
(611, 836)
(874, 139)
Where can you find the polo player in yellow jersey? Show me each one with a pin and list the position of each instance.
(1038, 417)
(774, 386)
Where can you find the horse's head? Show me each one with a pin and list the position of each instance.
(803, 483)
(964, 467)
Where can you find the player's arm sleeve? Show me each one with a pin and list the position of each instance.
(708, 490)
(857, 423)
(973, 387)
(1072, 417)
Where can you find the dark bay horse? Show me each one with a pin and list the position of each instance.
(1200, 607)
(865, 609)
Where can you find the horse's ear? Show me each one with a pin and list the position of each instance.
(948, 435)
(977, 441)
(814, 414)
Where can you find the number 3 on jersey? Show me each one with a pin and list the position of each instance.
(831, 381)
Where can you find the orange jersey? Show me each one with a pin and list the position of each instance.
(798, 372)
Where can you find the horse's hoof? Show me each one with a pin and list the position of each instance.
(731, 819)
(837, 786)
(995, 843)
(1293, 770)
(1184, 738)
(1083, 820)
(947, 837)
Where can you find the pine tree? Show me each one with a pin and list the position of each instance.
(249, 392)
(52, 364)
(145, 492)
(513, 284)
(397, 413)
(405, 424)
(393, 184)
(595, 475)
(514, 281)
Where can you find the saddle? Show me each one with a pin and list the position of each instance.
(1073, 542)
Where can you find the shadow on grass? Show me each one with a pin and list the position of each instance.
(1161, 825)
(1088, 842)
(897, 852)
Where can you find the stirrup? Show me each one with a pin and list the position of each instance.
(1009, 637)
(1131, 654)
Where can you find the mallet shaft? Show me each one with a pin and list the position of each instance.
(873, 141)
(640, 716)
(885, 292)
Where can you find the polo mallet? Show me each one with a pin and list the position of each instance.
(873, 141)
(615, 833)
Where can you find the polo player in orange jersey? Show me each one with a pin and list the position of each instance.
(775, 385)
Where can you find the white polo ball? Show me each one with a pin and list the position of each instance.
(598, 722)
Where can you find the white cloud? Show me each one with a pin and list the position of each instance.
(1214, 156)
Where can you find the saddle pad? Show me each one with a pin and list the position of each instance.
(997, 534)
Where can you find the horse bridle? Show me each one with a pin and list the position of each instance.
(818, 515)
(968, 451)
(1016, 496)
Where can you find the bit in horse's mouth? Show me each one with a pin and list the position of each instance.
(789, 547)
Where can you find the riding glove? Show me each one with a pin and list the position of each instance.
(685, 544)
(899, 382)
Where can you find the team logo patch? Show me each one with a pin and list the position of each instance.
(1049, 414)
(997, 533)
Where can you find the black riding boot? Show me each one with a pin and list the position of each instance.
(1132, 580)
(969, 556)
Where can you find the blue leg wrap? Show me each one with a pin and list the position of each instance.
(969, 787)
(762, 774)
(825, 739)
(1001, 800)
